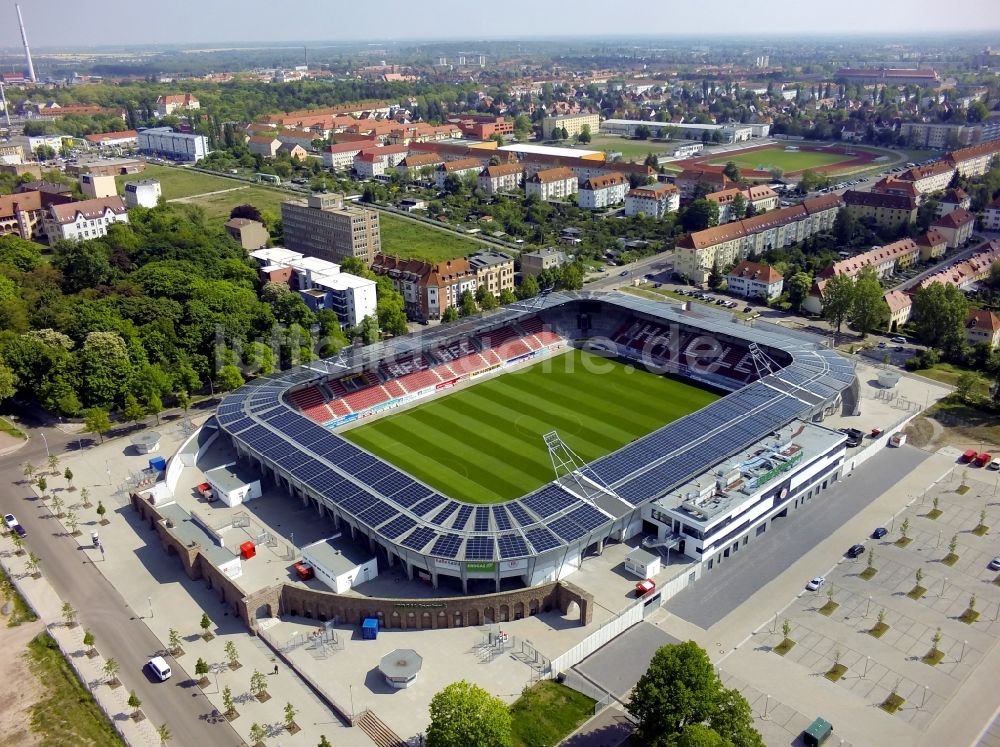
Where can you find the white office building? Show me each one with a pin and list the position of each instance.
(145, 193)
(177, 146)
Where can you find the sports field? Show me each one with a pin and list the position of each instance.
(483, 444)
(786, 160)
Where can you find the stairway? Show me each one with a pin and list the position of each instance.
(380, 734)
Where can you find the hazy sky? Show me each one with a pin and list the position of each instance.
(70, 24)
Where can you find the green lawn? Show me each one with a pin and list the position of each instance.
(177, 182)
(483, 444)
(407, 238)
(631, 150)
(949, 374)
(67, 713)
(218, 207)
(547, 712)
(764, 160)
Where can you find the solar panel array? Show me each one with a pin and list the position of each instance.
(403, 510)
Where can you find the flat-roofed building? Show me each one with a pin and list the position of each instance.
(177, 146)
(572, 123)
(326, 227)
(494, 271)
(145, 193)
(534, 263)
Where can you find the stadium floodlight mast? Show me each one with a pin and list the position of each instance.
(569, 467)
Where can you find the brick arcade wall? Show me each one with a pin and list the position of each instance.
(416, 614)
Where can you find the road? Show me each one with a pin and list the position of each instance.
(119, 630)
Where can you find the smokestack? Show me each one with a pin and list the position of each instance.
(27, 52)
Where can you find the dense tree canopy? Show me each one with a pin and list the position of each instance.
(465, 715)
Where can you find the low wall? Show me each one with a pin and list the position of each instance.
(412, 614)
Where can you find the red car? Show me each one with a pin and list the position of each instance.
(969, 455)
(983, 459)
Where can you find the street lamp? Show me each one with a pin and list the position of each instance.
(964, 644)
(868, 660)
(351, 688)
(869, 607)
(923, 698)
(46, 442)
(767, 699)
(150, 600)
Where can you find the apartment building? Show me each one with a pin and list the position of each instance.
(888, 211)
(933, 177)
(982, 325)
(485, 127)
(885, 260)
(720, 246)
(757, 199)
(991, 216)
(427, 289)
(956, 226)
(375, 161)
(552, 184)
(503, 177)
(326, 227)
(603, 191)
(573, 124)
(755, 280)
(494, 271)
(974, 160)
(968, 271)
(86, 219)
(652, 200)
(167, 105)
(933, 245)
(415, 163)
(900, 307)
(690, 181)
(341, 155)
(145, 193)
(320, 283)
(460, 168)
(534, 263)
(940, 136)
(23, 214)
(177, 146)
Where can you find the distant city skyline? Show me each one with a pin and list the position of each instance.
(51, 23)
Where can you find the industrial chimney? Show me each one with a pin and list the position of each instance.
(27, 51)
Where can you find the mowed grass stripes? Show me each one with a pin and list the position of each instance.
(484, 444)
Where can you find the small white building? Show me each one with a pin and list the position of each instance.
(145, 193)
(755, 280)
(340, 564)
(233, 484)
(642, 563)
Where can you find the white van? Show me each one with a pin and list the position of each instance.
(159, 667)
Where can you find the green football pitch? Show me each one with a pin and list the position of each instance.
(483, 444)
(786, 160)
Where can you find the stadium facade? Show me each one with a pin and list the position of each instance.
(696, 485)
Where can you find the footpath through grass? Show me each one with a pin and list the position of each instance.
(67, 715)
(483, 444)
(177, 182)
(548, 712)
(407, 238)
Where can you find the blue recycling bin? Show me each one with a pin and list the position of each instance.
(369, 629)
(158, 463)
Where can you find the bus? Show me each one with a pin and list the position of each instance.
(269, 178)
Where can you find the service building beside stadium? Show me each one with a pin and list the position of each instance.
(704, 485)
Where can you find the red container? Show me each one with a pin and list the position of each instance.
(247, 550)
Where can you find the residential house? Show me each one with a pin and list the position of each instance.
(755, 280)
(691, 181)
(250, 234)
(552, 184)
(952, 199)
(263, 145)
(886, 210)
(652, 200)
(724, 199)
(341, 155)
(757, 199)
(23, 214)
(900, 307)
(933, 177)
(890, 185)
(982, 325)
(956, 226)
(145, 193)
(494, 271)
(533, 263)
(964, 273)
(293, 150)
(761, 198)
(603, 191)
(86, 219)
(427, 289)
(168, 104)
(991, 216)
(504, 177)
(933, 244)
(459, 168)
(415, 163)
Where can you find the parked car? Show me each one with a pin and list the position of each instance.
(855, 550)
(747, 309)
(159, 667)
(623, 273)
(14, 525)
(879, 533)
(899, 340)
(815, 583)
(994, 564)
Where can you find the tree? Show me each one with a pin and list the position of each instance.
(88, 640)
(257, 733)
(72, 521)
(69, 614)
(465, 715)
(258, 683)
(111, 670)
(507, 296)
(29, 471)
(731, 170)
(798, 287)
(485, 299)
(528, 288)
(953, 544)
(868, 308)
(174, 641)
(163, 732)
(68, 476)
(919, 575)
(227, 700)
(57, 505)
(968, 385)
(201, 669)
(85, 497)
(838, 300)
(939, 314)
(450, 314)
(232, 654)
(786, 627)
(205, 624)
(133, 412)
(101, 510)
(32, 563)
(53, 462)
(290, 714)
(679, 689)
(43, 485)
(96, 420)
(584, 135)
(134, 702)
(228, 378)
(699, 215)
(739, 206)
(904, 527)
(845, 226)
(642, 132)
(323, 741)
(467, 304)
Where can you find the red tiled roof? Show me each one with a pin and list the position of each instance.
(897, 301)
(558, 174)
(603, 181)
(102, 136)
(756, 271)
(955, 219)
(982, 319)
(68, 212)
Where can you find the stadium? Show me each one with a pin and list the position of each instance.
(773, 387)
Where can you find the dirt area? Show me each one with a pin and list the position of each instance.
(21, 688)
(955, 425)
